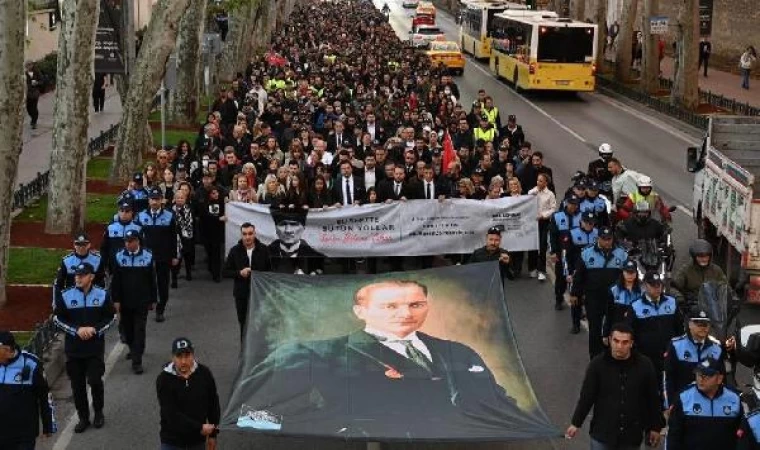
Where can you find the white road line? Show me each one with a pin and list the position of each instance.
(64, 438)
(685, 210)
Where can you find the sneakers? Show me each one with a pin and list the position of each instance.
(299, 272)
(160, 317)
(541, 276)
(81, 426)
(99, 420)
(533, 273)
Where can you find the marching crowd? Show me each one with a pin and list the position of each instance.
(331, 119)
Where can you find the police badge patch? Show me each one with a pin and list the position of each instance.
(697, 408)
(17, 378)
(687, 354)
(727, 410)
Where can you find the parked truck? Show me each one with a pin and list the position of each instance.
(726, 204)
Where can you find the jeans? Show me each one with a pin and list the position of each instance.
(745, 78)
(596, 445)
(201, 446)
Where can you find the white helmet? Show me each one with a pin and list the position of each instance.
(644, 181)
(605, 150)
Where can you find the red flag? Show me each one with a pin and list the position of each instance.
(448, 152)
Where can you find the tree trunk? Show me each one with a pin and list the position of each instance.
(144, 82)
(229, 59)
(68, 160)
(601, 36)
(580, 10)
(184, 97)
(686, 79)
(12, 89)
(624, 55)
(650, 62)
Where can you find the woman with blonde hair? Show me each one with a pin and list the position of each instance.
(271, 193)
(243, 192)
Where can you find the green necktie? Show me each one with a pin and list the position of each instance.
(417, 356)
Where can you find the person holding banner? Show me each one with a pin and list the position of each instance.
(492, 251)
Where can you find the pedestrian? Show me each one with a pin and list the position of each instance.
(746, 62)
(621, 387)
(705, 49)
(623, 293)
(492, 251)
(162, 239)
(707, 414)
(33, 91)
(212, 221)
(579, 238)
(134, 292)
(559, 241)
(84, 313)
(188, 400)
(25, 399)
(82, 253)
(113, 237)
(599, 268)
(247, 256)
(183, 213)
(547, 207)
(99, 91)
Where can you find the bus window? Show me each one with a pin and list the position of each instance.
(511, 37)
(565, 44)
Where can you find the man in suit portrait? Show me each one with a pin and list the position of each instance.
(387, 379)
(289, 249)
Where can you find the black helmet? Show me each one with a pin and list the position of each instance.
(700, 247)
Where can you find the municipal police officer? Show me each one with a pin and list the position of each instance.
(749, 432)
(560, 225)
(137, 193)
(113, 237)
(706, 415)
(688, 350)
(82, 253)
(599, 267)
(162, 239)
(580, 238)
(134, 292)
(84, 313)
(594, 203)
(24, 397)
(656, 319)
(492, 251)
(627, 290)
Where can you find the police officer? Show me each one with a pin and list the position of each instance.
(749, 432)
(136, 193)
(688, 350)
(597, 169)
(627, 290)
(492, 251)
(594, 203)
(113, 237)
(597, 270)
(84, 313)
(24, 397)
(656, 319)
(162, 239)
(707, 414)
(580, 238)
(134, 292)
(82, 253)
(560, 225)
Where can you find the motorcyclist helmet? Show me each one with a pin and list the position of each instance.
(700, 247)
(642, 211)
(605, 151)
(644, 185)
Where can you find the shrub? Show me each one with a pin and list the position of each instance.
(48, 68)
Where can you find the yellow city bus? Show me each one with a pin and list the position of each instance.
(538, 50)
(476, 16)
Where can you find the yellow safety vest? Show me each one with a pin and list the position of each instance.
(487, 135)
(492, 114)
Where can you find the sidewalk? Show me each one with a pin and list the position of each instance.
(719, 82)
(35, 158)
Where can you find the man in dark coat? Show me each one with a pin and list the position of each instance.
(385, 380)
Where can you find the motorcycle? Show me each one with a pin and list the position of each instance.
(652, 255)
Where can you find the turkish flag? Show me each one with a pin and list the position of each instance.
(448, 152)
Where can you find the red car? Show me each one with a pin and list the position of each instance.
(422, 19)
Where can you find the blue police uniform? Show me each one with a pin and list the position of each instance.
(560, 227)
(596, 271)
(85, 358)
(113, 238)
(579, 240)
(682, 358)
(138, 197)
(162, 238)
(617, 305)
(698, 422)
(655, 324)
(749, 432)
(24, 401)
(598, 206)
(65, 276)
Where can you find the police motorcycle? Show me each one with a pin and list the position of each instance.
(598, 170)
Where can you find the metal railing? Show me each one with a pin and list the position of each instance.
(677, 112)
(730, 105)
(44, 335)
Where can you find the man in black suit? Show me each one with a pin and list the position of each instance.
(289, 250)
(348, 189)
(386, 380)
(428, 188)
(337, 138)
(395, 188)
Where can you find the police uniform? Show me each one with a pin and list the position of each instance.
(749, 432)
(65, 276)
(24, 398)
(138, 195)
(595, 204)
(162, 239)
(113, 237)
(75, 308)
(579, 239)
(133, 289)
(560, 226)
(621, 298)
(683, 356)
(699, 422)
(596, 271)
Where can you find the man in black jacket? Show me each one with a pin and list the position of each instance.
(621, 386)
(188, 400)
(247, 256)
(134, 292)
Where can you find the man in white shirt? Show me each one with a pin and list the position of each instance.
(623, 180)
(348, 190)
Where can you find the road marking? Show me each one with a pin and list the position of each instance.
(64, 438)
(685, 210)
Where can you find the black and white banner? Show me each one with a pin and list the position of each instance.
(411, 228)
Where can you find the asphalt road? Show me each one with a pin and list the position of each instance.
(567, 128)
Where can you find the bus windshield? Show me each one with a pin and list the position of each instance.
(565, 44)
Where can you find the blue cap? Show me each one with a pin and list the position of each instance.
(131, 234)
(652, 278)
(591, 184)
(573, 199)
(630, 266)
(84, 268)
(589, 217)
(126, 205)
(606, 233)
(709, 367)
(698, 315)
(155, 193)
(81, 238)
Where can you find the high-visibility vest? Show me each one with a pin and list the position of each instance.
(487, 135)
(492, 114)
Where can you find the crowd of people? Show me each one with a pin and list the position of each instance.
(360, 118)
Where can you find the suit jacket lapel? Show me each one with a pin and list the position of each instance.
(370, 350)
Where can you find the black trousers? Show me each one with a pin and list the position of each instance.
(98, 99)
(31, 109)
(516, 261)
(84, 371)
(241, 308)
(134, 322)
(537, 259)
(162, 280)
(595, 310)
(703, 60)
(188, 259)
(560, 282)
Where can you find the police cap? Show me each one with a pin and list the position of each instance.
(653, 278)
(155, 193)
(84, 268)
(606, 233)
(131, 234)
(709, 367)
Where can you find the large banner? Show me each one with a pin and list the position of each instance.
(108, 54)
(411, 228)
(425, 355)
